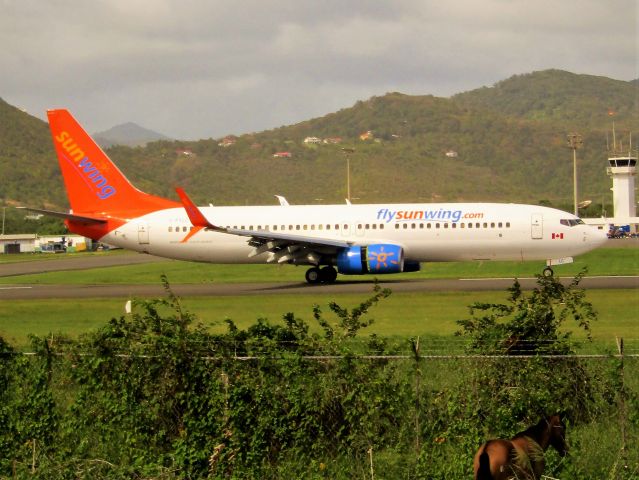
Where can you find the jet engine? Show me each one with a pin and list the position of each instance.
(378, 258)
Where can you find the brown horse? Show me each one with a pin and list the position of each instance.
(521, 457)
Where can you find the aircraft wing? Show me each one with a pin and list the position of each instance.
(67, 216)
(281, 247)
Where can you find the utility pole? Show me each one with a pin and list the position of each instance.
(574, 142)
(347, 152)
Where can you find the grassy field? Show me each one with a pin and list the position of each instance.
(401, 315)
(606, 261)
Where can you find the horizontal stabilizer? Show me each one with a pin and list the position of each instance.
(195, 215)
(67, 216)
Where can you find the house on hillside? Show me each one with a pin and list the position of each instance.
(282, 155)
(228, 141)
(185, 152)
(312, 140)
(333, 140)
(451, 154)
(367, 135)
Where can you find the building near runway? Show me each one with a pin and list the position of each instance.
(18, 243)
(33, 243)
(622, 168)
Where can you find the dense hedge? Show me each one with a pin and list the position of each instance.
(154, 395)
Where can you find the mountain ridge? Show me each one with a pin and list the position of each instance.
(510, 141)
(129, 134)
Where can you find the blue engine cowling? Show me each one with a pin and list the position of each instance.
(379, 258)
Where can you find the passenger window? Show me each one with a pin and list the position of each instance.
(297, 227)
(381, 227)
(445, 225)
(437, 225)
(429, 226)
(170, 229)
(507, 224)
(492, 225)
(396, 226)
(413, 226)
(500, 225)
(470, 225)
(454, 225)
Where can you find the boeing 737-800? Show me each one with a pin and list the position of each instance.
(330, 239)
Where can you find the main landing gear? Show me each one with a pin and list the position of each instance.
(321, 275)
(548, 272)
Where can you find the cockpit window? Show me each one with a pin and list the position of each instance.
(571, 222)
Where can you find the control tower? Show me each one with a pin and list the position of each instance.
(622, 167)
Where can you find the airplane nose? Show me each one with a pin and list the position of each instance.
(597, 237)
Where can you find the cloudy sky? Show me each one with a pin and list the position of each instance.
(205, 68)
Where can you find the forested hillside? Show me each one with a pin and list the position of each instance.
(509, 139)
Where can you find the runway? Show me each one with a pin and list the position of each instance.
(26, 292)
(33, 292)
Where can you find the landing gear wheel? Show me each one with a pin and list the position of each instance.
(328, 274)
(313, 275)
(548, 272)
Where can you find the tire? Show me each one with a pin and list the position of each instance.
(313, 275)
(548, 272)
(328, 274)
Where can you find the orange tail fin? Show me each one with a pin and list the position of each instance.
(93, 183)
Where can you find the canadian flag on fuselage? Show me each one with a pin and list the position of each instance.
(94, 184)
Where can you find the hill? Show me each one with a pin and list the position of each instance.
(129, 134)
(566, 98)
(28, 171)
(509, 139)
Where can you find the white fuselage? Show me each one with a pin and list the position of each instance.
(427, 232)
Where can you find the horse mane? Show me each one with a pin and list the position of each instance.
(534, 432)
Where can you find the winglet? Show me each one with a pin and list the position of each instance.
(195, 215)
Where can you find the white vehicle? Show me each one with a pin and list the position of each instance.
(330, 239)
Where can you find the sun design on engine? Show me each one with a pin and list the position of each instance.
(381, 259)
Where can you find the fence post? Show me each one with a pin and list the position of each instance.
(622, 399)
(418, 374)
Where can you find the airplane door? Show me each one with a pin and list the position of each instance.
(143, 233)
(537, 226)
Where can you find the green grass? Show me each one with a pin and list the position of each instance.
(401, 315)
(605, 261)
(39, 256)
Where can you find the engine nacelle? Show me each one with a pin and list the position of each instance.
(379, 258)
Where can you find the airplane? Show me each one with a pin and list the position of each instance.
(348, 239)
